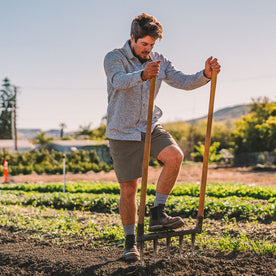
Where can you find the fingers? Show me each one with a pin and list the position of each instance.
(211, 64)
(214, 64)
(151, 70)
(216, 68)
(209, 59)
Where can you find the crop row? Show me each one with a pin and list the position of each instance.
(56, 168)
(48, 156)
(213, 190)
(185, 206)
(51, 162)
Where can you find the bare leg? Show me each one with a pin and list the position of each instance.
(128, 210)
(128, 207)
(172, 158)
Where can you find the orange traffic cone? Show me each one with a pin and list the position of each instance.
(6, 172)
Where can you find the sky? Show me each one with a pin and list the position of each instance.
(53, 50)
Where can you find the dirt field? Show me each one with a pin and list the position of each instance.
(22, 255)
(187, 174)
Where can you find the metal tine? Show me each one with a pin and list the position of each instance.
(180, 246)
(193, 244)
(168, 247)
(155, 241)
(142, 252)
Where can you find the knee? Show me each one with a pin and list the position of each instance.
(178, 156)
(172, 155)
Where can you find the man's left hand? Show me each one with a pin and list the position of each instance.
(211, 65)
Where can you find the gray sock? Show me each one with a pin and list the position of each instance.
(129, 229)
(160, 199)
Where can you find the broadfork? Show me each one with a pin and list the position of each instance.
(141, 237)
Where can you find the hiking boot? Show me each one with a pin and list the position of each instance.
(159, 220)
(131, 253)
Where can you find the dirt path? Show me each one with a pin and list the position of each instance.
(187, 174)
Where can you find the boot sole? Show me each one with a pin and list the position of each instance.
(166, 227)
(131, 257)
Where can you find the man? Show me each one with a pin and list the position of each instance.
(129, 70)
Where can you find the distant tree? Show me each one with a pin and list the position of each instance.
(42, 140)
(257, 131)
(84, 130)
(98, 133)
(221, 132)
(178, 130)
(7, 105)
(62, 127)
(103, 120)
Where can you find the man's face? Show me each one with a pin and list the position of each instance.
(143, 46)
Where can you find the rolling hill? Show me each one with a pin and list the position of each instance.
(224, 114)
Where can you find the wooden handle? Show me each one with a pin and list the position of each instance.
(146, 159)
(207, 145)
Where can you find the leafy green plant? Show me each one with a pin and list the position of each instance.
(186, 206)
(213, 155)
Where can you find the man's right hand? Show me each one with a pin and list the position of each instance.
(151, 70)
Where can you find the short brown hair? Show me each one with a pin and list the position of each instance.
(143, 25)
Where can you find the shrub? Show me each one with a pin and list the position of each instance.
(27, 169)
(51, 162)
(38, 169)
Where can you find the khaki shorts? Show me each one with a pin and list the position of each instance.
(128, 155)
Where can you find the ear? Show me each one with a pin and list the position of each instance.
(132, 39)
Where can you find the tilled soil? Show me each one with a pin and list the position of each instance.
(22, 255)
(19, 255)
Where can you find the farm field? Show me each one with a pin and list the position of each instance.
(46, 232)
(188, 173)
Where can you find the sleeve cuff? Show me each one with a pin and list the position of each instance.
(136, 78)
(206, 78)
(205, 75)
(141, 76)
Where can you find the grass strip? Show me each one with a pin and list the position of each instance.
(185, 206)
(62, 225)
(213, 189)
